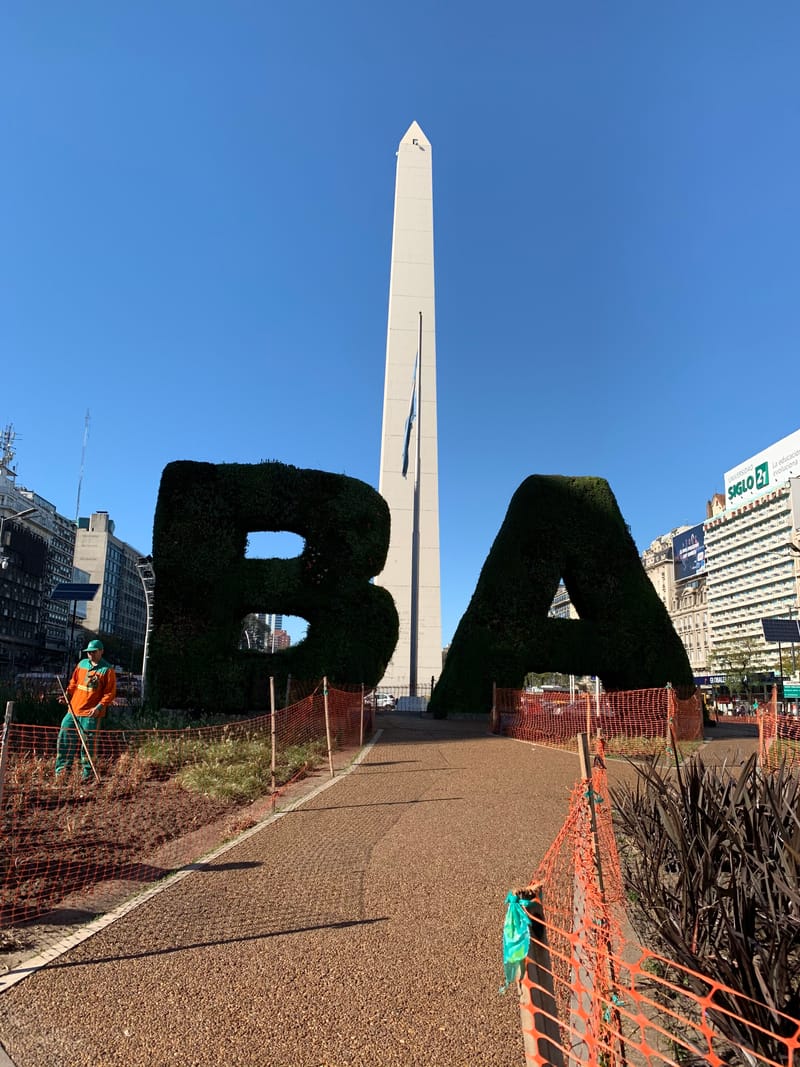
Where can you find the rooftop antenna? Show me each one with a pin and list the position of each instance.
(7, 452)
(83, 460)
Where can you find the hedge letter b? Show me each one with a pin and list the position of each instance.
(205, 585)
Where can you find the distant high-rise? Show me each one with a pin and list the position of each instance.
(409, 478)
(119, 607)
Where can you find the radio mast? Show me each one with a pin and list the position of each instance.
(83, 460)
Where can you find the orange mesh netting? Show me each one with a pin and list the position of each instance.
(590, 995)
(779, 735)
(61, 835)
(638, 722)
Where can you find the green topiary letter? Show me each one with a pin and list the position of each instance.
(571, 528)
(205, 585)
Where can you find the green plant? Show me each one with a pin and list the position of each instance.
(241, 770)
(712, 867)
(34, 712)
(170, 753)
(228, 768)
(148, 717)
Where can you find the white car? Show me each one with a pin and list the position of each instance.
(381, 701)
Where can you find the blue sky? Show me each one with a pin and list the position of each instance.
(196, 230)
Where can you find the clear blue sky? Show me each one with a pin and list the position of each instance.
(196, 229)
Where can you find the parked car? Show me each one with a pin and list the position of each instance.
(380, 701)
(40, 685)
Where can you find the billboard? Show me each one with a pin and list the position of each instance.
(28, 550)
(770, 468)
(689, 553)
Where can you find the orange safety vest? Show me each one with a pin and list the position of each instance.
(92, 686)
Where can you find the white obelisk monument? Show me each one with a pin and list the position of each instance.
(409, 473)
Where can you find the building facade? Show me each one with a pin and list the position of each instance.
(280, 641)
(675, 565)
(120, 607)
(59, 533)
(720, 580)
(562, 607)
(752, 571)
(753, 543)
(36, 548)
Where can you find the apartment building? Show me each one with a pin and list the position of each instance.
(59, 533)
(753, 546)
(753, 570)
(36, 545)
(119, 607)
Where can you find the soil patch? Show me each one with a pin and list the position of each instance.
(94, 852)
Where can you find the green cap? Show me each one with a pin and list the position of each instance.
(95, 646)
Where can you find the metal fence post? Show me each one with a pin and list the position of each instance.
(272, 733)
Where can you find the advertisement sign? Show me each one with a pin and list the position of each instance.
(689, 553)
(770, 468)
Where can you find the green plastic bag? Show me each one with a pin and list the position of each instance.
(516, 940)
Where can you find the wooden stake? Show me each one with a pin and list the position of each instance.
(361, 731)
(327, 723)
(4, 747)
(586, 775)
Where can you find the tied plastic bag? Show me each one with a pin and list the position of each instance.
(516, 939)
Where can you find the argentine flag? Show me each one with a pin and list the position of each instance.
(412, 414)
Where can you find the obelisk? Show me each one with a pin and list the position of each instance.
(409, 471)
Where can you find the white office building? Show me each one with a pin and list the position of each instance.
(753, 549)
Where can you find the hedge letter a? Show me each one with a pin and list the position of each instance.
(559, 527)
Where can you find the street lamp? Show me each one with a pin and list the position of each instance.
(4, 560)
(794, 551)
(144, 565)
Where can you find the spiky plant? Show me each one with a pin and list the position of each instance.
(712, 865)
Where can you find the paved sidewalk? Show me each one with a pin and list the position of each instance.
(729, 743)
(363, 928)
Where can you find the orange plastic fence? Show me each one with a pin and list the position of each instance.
(590, 995)
(779, 735)
(61, 835)
(631, 723)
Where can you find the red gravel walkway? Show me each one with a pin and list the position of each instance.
(364, 928)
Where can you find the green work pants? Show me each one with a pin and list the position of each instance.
(69, 744)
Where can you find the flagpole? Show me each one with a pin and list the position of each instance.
(414, 621)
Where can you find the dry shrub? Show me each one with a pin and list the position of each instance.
(712, 867)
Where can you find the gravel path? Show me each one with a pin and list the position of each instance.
(362, 929)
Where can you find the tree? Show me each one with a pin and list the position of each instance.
(255, 634)
(739, 660)
(536, 681)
